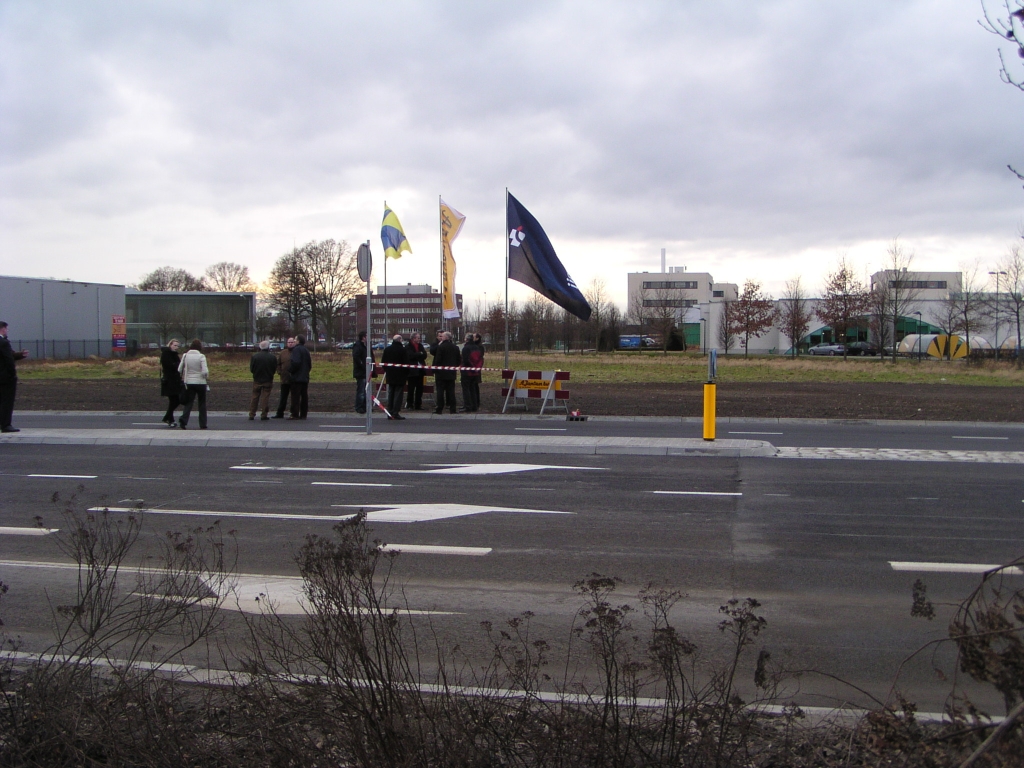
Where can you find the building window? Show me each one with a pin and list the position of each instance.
(670, 303)
(685, 285)
(919, 284)
(718, 294)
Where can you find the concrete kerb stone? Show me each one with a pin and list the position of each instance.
(391, 442)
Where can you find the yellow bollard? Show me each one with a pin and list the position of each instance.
(709, 411)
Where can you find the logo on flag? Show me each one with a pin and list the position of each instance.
(451, 225)
(516, 236)
(392, 236)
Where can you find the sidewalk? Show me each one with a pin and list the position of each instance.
(445, 443)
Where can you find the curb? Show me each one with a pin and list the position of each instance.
(440, 443)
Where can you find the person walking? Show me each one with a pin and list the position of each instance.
(170, 379)
(359, 370)
(472, 357)
(262, 366)
(8, 379)
(301, 365)
(447, 354)
(284, 375)
(196, 374)
(395, 355)
(416, 354)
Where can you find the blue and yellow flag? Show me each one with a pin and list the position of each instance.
(393, 236)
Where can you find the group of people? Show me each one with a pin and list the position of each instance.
(397, 375)
(184, 380)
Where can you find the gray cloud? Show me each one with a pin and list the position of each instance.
(765, 129)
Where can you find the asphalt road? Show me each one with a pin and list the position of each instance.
(812, 540)
(897, 434)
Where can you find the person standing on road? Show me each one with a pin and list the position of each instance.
(262, 366)
(416, 354)
(8, 379)
(196, 374)
(359, 370)
(395, 355)
(284, 375)
(301, 365)
(472, 357)
(447, 354)
(170, 379)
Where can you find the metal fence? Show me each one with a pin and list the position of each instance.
(63, 349)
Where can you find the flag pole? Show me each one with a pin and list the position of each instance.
(440, 243)
(385, 288)
(506, 277)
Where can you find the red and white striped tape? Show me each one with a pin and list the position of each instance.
(428, 368)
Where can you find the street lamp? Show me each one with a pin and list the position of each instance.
(704, 333)
(997, 274)
(919, 339)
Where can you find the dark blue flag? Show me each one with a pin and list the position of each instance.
(532, 261)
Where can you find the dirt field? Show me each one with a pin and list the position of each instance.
(839, 400)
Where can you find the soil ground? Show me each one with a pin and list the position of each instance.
(833, 400)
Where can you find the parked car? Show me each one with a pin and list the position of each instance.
(827, 349)
(861, 348)
(347, 345)
(379, 345)
(277, 345)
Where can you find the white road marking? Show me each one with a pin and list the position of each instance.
(5, 531)
(342, 426)
(425, 549)
(149, 424)
(69, 477)
(977, 437)
(953, 567)
(536, 489)
(922, 498)
(208, 513)
(777, 494)
(541, 429)
(363, 485)
(129, 477)
(756, 433)
(273, 482)
(442, 469)
(696, 493)
(418, 513)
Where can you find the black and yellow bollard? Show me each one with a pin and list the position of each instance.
(709, 396)
(709, 411)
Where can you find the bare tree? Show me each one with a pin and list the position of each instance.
(329, 278)
(165, 320)
(755, 313)
(726, 325)
(844, 302)
(895, 292)
(794, 314)
(968, 306)
(228, 276)
(171, 279)
(1013, 265)
(284, 288)
(639, 310)
(1008, 27)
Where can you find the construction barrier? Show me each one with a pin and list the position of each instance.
(546, 386)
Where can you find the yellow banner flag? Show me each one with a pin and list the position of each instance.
(451, 224)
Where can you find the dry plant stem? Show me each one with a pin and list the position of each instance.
(1006, 725)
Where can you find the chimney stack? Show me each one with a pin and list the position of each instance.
(662, 261)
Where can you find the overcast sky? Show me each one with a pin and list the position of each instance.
(752, 140)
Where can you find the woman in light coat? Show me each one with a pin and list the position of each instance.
(195, 374)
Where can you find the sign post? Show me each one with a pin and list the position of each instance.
(118, 333)
(709, 396)
(364, 265)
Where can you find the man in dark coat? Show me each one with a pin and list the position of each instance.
(284, 375)
(395, 377)
(170, 379)
(262, 366)
(447, 354)
(472, 357)
(301, 365)
(8, 379)
(416, 354)
(359, 370)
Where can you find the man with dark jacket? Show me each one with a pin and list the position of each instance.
(284, 374)
(394, 355)
(262, 366)
(8, 379)
(447, 354)
(301, 365)
(359, 370)
(472, 357)
(416, 354)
